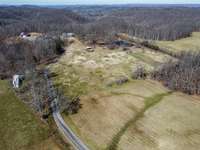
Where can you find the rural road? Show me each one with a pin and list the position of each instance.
(67, 132)
(62, 126)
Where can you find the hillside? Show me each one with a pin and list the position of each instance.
(120, 77)
(20, 129)
(189, 44)
(131, 114)
(103, 67)
(17, 19)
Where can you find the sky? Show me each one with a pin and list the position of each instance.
(73, 2)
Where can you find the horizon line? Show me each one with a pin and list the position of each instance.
(101, 4)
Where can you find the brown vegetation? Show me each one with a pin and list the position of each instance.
(182, 75)
(18, 56)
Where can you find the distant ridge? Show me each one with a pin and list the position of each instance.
(107, 5)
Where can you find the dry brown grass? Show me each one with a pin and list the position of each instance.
(171, 124)
(104, 113)
(106, 110)
(185, 44)
(100, 67)
(48, 144)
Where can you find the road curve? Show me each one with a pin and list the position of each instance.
(62, 126)
(68, 133)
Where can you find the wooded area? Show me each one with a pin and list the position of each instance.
(150, 23)
(18, 56)
(182, 75)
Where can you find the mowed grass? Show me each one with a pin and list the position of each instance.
(149, 102)
(170, 124)
(191, 43)
(105, 115)
(19, 128)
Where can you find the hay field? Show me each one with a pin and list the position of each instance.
(172, 124)
(117, 116)
(185, 44)
(105, 113)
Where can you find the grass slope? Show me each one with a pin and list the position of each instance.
(171, 124)
(149, 102)
(104, 108)
(185, 44)
(112, 111)
(80, 71)
(19, 128)
(110, 115)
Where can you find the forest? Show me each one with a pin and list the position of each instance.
(160, 23)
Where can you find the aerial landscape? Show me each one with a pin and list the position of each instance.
(99, 75)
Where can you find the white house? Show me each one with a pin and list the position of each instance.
(22, 35)
(70, 35)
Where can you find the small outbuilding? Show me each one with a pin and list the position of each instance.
(67, 35)
(122, 43)
(70, 35)
(17, 80)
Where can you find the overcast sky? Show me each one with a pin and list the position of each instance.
(68, 2)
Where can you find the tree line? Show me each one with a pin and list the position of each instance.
(148, 23)
(181, 75)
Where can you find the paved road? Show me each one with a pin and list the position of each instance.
(62, 126)
(68, 133)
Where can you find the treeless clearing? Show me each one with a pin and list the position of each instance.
(48, 144)
(102, 66)
(171, 124)
(104, 113)
(184, 44)
(111, 117)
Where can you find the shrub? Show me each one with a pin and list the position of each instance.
(140, 73)
(118, 81)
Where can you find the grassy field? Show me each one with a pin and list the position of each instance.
(114, 117)
(185, 44)
(81, 71)
(171, 124)
(109, 111)
(19, 128)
